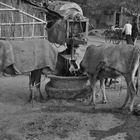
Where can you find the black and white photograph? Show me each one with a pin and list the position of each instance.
(69, 69)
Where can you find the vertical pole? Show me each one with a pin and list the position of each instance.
(33, 27)
(44, 26)
(68, 28)
(87, 26)
(22, 26)
(12, 26)
(0, 31)
(72, 44)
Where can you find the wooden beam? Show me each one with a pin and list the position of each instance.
(21, 37)
(24, 23)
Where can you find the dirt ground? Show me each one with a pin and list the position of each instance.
(61, 119)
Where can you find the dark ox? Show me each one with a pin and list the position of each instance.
(34, 56)
(26, 60)
(103, 61)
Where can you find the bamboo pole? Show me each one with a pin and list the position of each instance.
(0, 31)
(44, 25)
(32, 16)
(22, 26)
(33, 27)
(6, 5)
(25, 23)
(12, 25)
(25, 37)
(8, 9)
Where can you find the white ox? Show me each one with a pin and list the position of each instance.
(103, 61)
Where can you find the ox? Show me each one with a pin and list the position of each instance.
(103, 61)
(35, 56)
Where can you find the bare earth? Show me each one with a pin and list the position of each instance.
(64, 120)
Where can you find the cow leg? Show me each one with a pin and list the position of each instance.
(133, 85)
(93, 83)
(131, 92)
(126, 99)
(31, 83)
(37, 83)
(132, 95)
(34, 83)
(102, 86)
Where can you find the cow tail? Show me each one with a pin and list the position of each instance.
(137, 81)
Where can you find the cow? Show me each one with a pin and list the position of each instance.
(56, 29)
(29, 56)
(26, 56)
(112, 61)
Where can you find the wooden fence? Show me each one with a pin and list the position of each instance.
(18, 24)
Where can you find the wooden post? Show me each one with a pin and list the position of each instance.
(87, 26)
(0, 31)
(12, 26)
(22, 26)
(44, 26)
(33, 27)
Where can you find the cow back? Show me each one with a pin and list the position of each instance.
(29, 55)
(117, 57)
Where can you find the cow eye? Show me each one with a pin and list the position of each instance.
(50, 24)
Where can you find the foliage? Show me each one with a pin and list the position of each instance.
(133, 5)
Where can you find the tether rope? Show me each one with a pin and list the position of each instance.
(34, 86)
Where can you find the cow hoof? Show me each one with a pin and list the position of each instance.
(104, 102)
(97, 96)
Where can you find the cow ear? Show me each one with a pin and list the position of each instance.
(52, 14)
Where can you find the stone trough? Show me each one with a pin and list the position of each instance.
(67, 87)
